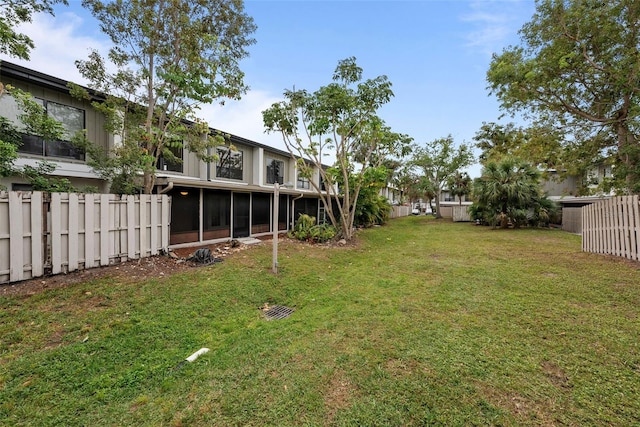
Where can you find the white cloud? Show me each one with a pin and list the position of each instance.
(59, 43)
(63, 39)
(244, 118)
(494, 24)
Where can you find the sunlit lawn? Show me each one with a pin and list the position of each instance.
(424, 322)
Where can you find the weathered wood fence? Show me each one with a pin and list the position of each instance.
(55, 233)
(461, 213)
(612, 227)
(400, 211)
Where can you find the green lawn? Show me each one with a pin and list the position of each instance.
(424, 323)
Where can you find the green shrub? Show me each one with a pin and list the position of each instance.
(372, 210)
(307, 229)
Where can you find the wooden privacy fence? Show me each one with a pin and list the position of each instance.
(461, 213)
(400, 211)
(43, 233)
(612, 227)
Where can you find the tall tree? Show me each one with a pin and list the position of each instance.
(578, 66)
(14, 13)
(339, 121)
(171, 57)
(439, 160)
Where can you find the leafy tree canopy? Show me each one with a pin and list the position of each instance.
(578, 67)
(14, 13)
(540, 145)
(338, 121)
(170, 56)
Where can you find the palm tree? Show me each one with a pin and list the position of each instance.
(460, 185)
(509, 191)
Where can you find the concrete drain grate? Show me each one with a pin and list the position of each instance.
(278, 312)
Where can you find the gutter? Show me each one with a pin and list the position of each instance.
(166, 189)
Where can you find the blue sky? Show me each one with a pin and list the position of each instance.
(436, 54)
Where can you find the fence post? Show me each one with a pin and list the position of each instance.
(105, 235)
(16, 262)
(72, 226)
(153, 213)
(143, 220)
(131, 227)
(635, 227)
(89, 231)
(37, 230)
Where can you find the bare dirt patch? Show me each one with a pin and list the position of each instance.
(555, 374)
(156, 266)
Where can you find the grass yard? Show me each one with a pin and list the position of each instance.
(423, 323)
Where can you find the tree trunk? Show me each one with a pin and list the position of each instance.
(438, 214)
(629, 155)
(149, 182)
(504, 220)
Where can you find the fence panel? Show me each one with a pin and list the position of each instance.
(612, 227)
(63, 232)
(400, 211)
(461, 213)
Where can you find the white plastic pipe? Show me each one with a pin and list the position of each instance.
(195, 355)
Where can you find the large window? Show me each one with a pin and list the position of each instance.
(71, 118)
(229, 164)
(275, 171)
(171, 161)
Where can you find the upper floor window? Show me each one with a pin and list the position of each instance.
(171, 159)
(303, 182)
(229, 164)
(72, 120)
(275, 171)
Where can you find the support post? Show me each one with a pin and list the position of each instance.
(276, 204)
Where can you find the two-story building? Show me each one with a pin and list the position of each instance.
(230, 198)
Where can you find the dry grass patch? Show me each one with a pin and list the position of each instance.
(338, 395)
